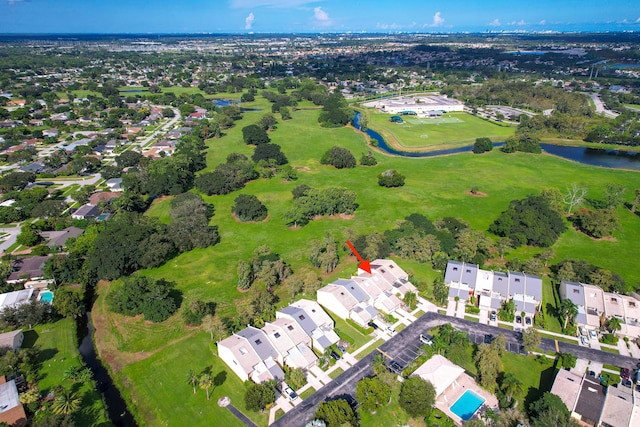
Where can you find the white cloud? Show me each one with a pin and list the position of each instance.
(321, 16)
(495, 23)
(395, 26)
(438, 20)
(638, 20)
(543, 22)
(521, 22)
(251, 4)
(248, 21)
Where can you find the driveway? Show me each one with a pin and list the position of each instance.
(451, 308)
(10, 239)
(484, 316)
(460, 310)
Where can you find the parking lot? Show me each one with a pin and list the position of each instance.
(512, 346)
(407, 354)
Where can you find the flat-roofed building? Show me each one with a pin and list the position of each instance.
(618, 407)
(11, 410)
(567, 386)
(15, 298)
(422, 105)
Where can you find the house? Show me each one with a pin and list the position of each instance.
(595, 305)
(15, 298)
(115, 184)
(348, 301)
(590, 401)
(86, 212)
(34, 167)
(250, 355)
(103, 197)
(27, 269)
(567, 386)
(440, 372)
(11, 410)
(491, 288)
(291, 342)
(618, 407)
(315, 322)
(11, 340)
(57, 239)
(53, 133)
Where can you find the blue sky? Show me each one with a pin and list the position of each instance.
(241, 16)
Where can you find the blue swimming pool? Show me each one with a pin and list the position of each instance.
(46, 296)
(467, 405)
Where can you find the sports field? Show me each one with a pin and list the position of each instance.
(423, 134)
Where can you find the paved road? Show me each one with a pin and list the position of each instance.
(11, 239)
(242, 417)
(600, 107)
(396, 348)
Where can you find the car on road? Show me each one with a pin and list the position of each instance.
(289, 393)
(493, 316)
(335, 355)
(584, 341)
(426, 339)
(395, 367)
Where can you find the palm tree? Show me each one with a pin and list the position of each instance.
(568, 310)
(66, 402)
(511, 386)
(192, 378)
(206, 382)
(614, 324)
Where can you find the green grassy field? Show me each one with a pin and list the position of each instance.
(536, 377)
(58, 352)
(453, 129)
(435, 187)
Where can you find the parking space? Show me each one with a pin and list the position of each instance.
(596, 367)
(460, 310)
(484, 316)
(405, 355)
(451, 308)
(512, 347)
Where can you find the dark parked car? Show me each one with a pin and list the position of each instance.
(341, 348)
(395, 367)
(335, 355)
(625, 373)
(373, 325)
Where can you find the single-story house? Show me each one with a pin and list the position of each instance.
(115, 184)
(86, 212)
(102, 197)
(440, 372)
(57, 239)
(11, 410)
(27, 269)
(618, 408)
(15, 298)
(567, 386)
(590, 402)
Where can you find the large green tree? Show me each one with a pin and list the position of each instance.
(417, 397)
(372, 393)
(336, 413)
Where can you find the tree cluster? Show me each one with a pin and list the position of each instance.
(336, 413)
(596, 223)
(482, 145)
(270, 153)
(196, 311)
(336, 111)
(338, 157)
(312, 202)
(258, 396)
(531, 221)
(584, 272)
(264, 267)
(525, 142)
(255, 135)
(324, 253)
(227, 177)
(155, 299)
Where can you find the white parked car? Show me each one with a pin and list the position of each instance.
(426, 339)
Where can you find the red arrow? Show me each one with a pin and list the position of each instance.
(364, 264)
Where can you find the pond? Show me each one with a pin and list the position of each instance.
(616, 159)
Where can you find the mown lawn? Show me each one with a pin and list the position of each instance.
(536, 377)
(58, 347)
(435, 187)
(427, 135)
(163, 396)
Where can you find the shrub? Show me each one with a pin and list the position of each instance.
(368, 159)
(255, 135)
(339, 157)
(482, 145)
(390, 178)
(247, 207)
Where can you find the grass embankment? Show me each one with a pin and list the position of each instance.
(58, 352)
(431, 134)
(435, 187)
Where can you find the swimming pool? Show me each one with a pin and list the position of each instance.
(46, 296)
(467, 405)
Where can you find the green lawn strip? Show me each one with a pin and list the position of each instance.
(308, 392)
(335, 373)
(609, 350)
(561, 339)
(58, 352)
(633, 106)
(369, 349)
(161, 394)
(279, 413)
(432, 134)
(551, 300)
(536, 375)
(612, 367)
